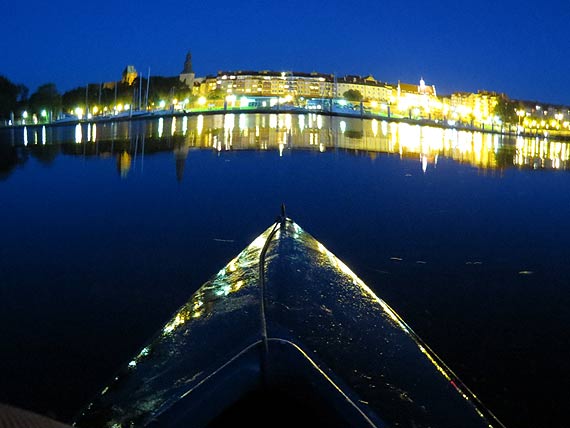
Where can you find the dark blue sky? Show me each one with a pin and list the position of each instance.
(517, 47)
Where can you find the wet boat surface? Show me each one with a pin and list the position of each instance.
(286, 334)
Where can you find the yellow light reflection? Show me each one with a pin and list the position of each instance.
(288, 122)
(301, 122)
(200, 124)
(160, 127)
(184, 125)
(178, 320)
(273, 121)
(78, 134)
(424, 143)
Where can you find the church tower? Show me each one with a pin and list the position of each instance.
(187, 75)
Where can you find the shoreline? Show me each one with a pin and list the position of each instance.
(510, 131)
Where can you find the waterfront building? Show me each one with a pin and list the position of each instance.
(419, 100)
(536, 115)
(370, 88)
(478, 106)
(268, 83)
(129, 75)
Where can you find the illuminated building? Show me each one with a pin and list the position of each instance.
(129, 75)
(542, 116)
(370, 88)
(422, 89)
(420, 98)
(268, 83)
(479, 106)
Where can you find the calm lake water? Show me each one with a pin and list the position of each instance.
(106, 229)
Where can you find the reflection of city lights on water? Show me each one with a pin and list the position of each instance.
(160, 127)
(229, 121)
(288, 122)
(200, 124)
(464, 142)
(541, 153)
(184, 125)
(273, 121)
(418, 143)
(78, 134)
(242, 122)
(25, 135)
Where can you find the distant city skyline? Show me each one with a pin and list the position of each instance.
(511, 47)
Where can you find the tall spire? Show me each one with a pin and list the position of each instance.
(422, 87)
(188, 64)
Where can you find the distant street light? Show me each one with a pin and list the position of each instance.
(558, 117)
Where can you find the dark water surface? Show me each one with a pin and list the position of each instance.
(106, 229)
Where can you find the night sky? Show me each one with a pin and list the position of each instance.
(517, 47)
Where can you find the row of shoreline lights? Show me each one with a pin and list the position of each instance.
(526, 121)
(43, 115)
(231, 100)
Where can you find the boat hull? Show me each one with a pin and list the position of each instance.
(286, 315)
